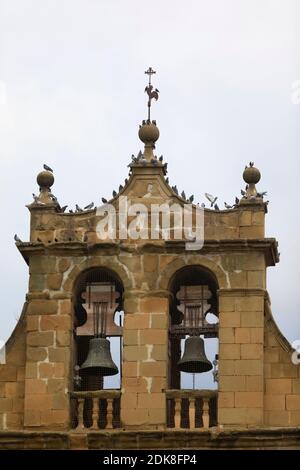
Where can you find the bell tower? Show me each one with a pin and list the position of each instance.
(125, 300)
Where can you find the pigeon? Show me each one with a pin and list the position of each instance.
(62, 209)
(143, 161)
(133, 158)
(166, 167)
(17, 239)
(161, 158)
(216, 207)
(35, 197)
(203, 205)
(175, 189)
(89, 206)
(114, 193)
(54, 198)
(251, 164)
(126, 181)
(167, 180)
(183, 195)
(262, 194)
(139, 155)
(211, 199)
(78, 209)
(120, 188)
(104, 200)
(243, 193)
(237, 201)
(85, 237)
(71, 212)
(154, 161)
(47, 168)
(191, 198)
(228, 206)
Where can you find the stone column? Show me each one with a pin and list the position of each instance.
(241, 337)
(145, 353)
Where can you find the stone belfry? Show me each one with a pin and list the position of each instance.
(116, 313)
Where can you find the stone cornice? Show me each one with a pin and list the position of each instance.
(266, 245)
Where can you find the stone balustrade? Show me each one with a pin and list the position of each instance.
(95, 409)
(191, 408)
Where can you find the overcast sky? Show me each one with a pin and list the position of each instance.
(72, 95)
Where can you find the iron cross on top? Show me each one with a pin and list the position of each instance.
(149, 90)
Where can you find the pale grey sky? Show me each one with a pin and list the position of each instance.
(72, 95)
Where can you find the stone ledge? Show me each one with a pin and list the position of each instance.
(214, 438)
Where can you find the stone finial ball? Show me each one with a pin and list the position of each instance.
(251, 175)
(45, 179)
(148, 132)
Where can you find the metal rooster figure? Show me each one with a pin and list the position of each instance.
(149, 90)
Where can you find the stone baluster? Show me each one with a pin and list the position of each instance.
(109, 413)
(95, 414)
(192, 412)
(205, 412)
(177, 416)
(80, 406)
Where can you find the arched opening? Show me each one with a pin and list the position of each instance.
(193, 349)
(193, 313)
(98, 313)
(97, 352)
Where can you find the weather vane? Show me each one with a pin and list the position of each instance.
(149, 90)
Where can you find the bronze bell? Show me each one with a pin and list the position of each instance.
(194, 359)
(99, 360)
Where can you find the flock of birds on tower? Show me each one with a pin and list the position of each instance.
(136, 160)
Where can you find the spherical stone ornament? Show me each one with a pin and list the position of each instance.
(45, 179)
(148, 133)
(251, 175)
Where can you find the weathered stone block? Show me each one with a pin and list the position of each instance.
(248, 399)
(159, 321)
(6, 405)
(134, 417)
(242, 335)
(226, 367)
(55, 385)
(230, 319)
(8, 373)
(254, 383)
(130, 337)
(46, 370)
(249, 367)
(36, 354)
(151, 400)
(150, 336)
(232, 383)
(42, 264)
(252, 319)
(293, 402)
(129, 400)
(54, 281)
(229, 351)
(251, 303)
(274, 402)
(45, 338)
(154, 305)
(150, 263)
(251, 351)
(226, 335)
(55, 322)
(278, 386)
(226, 399)
(42, 307)
(130, 369)
(131, 353)
(35, 387)
(137, 321)
(32, 322)
(153, 369)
